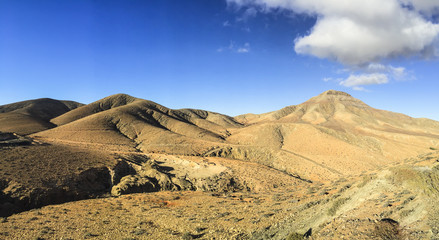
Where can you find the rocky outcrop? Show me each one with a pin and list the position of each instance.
(125, 177)
(153, 178)
(13, 139)
(134, 184)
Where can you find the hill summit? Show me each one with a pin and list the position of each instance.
(33, 115)
(332, 96)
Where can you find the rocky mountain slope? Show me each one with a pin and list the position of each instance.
(308, 169)
(337, 132)
(328, 136)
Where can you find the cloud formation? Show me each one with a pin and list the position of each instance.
(357, 81)
(397, 73)
(244, 49)
(372, 74)
(248, 13)
(226, 24)
(233, 48)
(359, 34)
(356, 32)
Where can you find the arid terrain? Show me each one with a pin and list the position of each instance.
(127, 168)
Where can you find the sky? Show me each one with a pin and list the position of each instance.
(226, 56)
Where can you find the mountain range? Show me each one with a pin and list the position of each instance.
(330, 135)
(330, 163)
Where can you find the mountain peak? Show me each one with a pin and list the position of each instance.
(333, 96)
(335, 93)
(120, 96)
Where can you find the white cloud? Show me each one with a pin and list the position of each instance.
(233, 48)
(399, 73)
(226, 24)
(389, 69)
(248, 13)
(358, 32)
(376, 67)
(396, 73)
(356, 81)
(244, 49)
(357, 88)
(374, 73)
(230, 47)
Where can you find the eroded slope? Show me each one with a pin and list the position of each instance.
(152, 127)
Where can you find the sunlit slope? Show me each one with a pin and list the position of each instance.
(330, 135)
(107, 103)
(340, 132)
(123, 119)
(32, 116)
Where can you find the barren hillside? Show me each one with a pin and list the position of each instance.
(328, 168)
(339, 132)
(123, 119)
(34, 115)
(328, 136)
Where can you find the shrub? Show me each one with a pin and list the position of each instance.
(187, 236)
(295, 236)
(388, 229)
(336, 205)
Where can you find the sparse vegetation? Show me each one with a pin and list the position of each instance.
(433, 222)
(406, 213)
(295, 236)
(187, 236)
(366, 179)
(421, 178)
(344, 188)
(90, 235)
(387, 230)
(311, 190)
(336, 205)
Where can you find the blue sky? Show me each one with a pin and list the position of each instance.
(232, 57)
